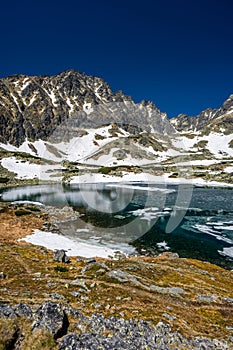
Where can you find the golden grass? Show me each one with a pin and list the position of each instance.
(31, 279)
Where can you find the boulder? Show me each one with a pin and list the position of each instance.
(7, 311)
(23, 310)
(52, 318)
(60, 256)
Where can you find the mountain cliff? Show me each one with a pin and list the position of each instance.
(33, 107)
(77, 124)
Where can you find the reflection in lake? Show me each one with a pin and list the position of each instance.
(116, 215)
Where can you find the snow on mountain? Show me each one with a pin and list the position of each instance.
(33, 107)
(73, 122)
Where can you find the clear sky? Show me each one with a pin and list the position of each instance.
(177, 53)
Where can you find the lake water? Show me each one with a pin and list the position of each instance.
(148, 219)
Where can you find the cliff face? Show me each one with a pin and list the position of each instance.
(32, 107)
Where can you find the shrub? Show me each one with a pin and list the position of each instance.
(4, 180)
(105, 170)
(33, 209)
(59, 268)
(21, 212)
(99, 137)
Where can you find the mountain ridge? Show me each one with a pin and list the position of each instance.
(26, 101)
(75, 118)
(31, 107)
(196, 123)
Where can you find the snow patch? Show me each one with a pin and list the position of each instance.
(32, 100)
(87, 108)
(229, 169)
(26, 82)
(70, 104)
(16, 102)
(73, 248)
(163, 245)
(145, 188)
(52, 97)
(227, 252)
(26, 170)
(96, 92)
(39, 204)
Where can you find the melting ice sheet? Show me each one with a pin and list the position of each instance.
(142, 188)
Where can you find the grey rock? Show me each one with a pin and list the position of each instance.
(93, 285)
(74, 313)
(92, 341)
(173, 255)
(95, 265)
(52, 318)
(127, 299)
(80, 283)
(167, 290)
(85, 260)
(206, 298)
(57, 296)
(99, 332)
(122, 276)
(57, 216)
(118, 255)
(23, 310)
(169, 317)
(228, 300)
(84, 298)
(176, 290)
(7, 311)
(75, 294)
(97, 305)
(60, 256)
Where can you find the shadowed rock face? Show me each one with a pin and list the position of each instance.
(32, 107)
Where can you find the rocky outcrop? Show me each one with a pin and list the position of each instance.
(60, 256)
(52, 318)
(97, 332)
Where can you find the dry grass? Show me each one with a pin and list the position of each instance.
(14, 227)
(31, 279)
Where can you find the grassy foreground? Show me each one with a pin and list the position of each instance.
(194, 297)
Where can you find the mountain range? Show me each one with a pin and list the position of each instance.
(72, 123)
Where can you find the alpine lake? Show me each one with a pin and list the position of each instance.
(141, 218)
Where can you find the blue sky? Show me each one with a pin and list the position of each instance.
(176, 53)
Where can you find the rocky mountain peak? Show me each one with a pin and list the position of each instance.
(228, 104)
(32, 107)
(219, 119)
